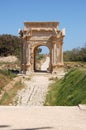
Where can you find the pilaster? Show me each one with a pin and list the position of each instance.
(28, 64)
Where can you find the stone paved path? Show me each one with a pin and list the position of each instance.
(45, 65)
(35, 91)
(42, 118)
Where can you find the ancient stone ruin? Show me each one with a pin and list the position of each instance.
(37, 34)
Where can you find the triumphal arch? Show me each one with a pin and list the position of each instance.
(37, 34)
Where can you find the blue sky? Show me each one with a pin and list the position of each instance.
(70, 13)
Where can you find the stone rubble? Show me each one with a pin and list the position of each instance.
(8, 59)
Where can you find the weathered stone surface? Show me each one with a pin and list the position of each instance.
(35, 90)
(42, 34)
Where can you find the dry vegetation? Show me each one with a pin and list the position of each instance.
(9, 68)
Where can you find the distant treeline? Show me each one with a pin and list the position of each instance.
(9, 45)
(76, 54)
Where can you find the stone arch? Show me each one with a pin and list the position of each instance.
(50, 57)
(37, 34)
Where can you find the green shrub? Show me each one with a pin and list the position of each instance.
(8, 73)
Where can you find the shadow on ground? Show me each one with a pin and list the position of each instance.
(42, 71)
(40, 128)
(14, 71)
(4, 126)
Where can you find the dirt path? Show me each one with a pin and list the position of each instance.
(35, 91)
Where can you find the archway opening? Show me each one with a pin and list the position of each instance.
(42, 60)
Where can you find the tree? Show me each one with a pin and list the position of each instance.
(9, 45)
(76, 54)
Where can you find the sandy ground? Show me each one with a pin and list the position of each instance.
(42, 118)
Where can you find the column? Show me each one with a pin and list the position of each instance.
(55, 53)
(52, 55)
(50, 63)
(61, 55)
(58, 53)
(24, 57)
(28, 53)
(28, 58)
(21, 57)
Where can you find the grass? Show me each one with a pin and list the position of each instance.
(5, 77)
(7, 73)
(7, 98)
(69, 91)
